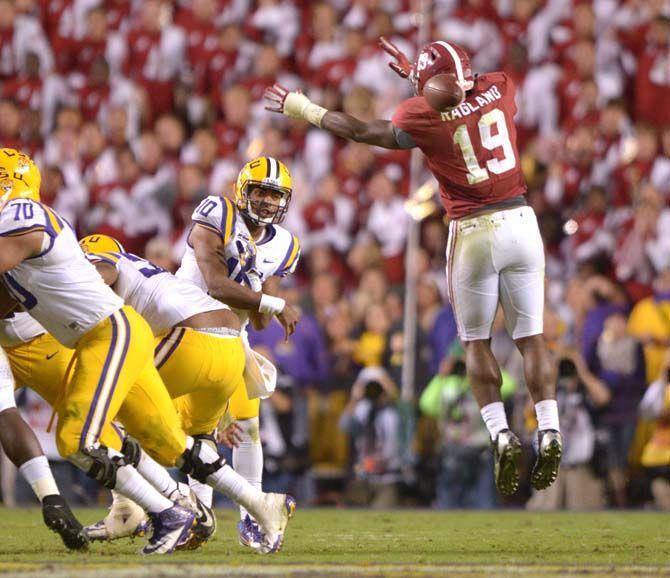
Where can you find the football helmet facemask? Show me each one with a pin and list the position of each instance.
(269, 174)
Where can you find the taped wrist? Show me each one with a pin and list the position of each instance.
(314, 114)
(271, 305)
(297, 105)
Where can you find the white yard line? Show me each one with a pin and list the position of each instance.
(161, 570)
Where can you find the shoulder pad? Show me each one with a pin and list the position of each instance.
(217, 214)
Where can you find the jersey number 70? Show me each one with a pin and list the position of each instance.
(490, 141)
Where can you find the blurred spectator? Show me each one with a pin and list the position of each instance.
(619, 364)
(465, 477)
(373, 423)
(578, 393)
(649, 322)
(388, 208)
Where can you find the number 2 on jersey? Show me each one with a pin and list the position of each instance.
(477, 174)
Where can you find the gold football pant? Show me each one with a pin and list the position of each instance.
(41, 364)
(241, 407)
(201, 371)
(114, 378)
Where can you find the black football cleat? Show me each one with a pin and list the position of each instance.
(549, 452)
(203, 528)
(506, 452)
(59, 518)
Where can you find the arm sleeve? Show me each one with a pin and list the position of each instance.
(404, 139)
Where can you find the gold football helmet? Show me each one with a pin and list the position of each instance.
(19, 177)
(100, 244)
(268, 174)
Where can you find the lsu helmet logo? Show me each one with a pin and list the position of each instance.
(19, 177)
(96, 244)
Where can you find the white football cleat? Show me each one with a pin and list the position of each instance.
(274, 513)
(125, 520)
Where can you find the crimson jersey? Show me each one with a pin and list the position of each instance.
(470, 149)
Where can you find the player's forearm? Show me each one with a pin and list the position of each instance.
(233, 294)
(346, 126)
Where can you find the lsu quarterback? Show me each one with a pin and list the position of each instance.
(114, 376)
(238, 253)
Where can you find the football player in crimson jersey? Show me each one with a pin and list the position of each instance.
(495, 253)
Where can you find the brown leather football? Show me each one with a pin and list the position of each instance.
(442, 92)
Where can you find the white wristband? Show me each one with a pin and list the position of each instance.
(271, 305)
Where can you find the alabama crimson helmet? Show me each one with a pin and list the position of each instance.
(442, 58)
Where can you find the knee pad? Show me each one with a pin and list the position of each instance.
(98, 464)
(131, 450)
(193, 464)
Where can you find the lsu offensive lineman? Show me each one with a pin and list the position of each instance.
(238, 253)
(48, 274)
(199, 353)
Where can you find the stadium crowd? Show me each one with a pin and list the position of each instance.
(136, 110)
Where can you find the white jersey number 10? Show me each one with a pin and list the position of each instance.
(477, 174)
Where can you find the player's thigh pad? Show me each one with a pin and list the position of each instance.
(472, 279)
(149, 415)
(519, 255)
(109, 360)
(41, 364)
(204, 371)
(6, 383)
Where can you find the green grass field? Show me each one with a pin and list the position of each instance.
(339, 543)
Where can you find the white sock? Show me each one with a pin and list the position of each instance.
(547, 414)
(228, 481)
(158, 477)
(132, 484)
(248, 457)
(494, 418)
(204, 492)
(38, 474)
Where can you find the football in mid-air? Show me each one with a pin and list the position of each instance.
(443, 92)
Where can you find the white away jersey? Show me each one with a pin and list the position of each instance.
(58, 287)
(249, 262)
(19, 328)
(156, 294)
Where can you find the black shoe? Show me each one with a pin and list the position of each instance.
(59, 518)
(549, 452)
(203, 529)
(506, 452)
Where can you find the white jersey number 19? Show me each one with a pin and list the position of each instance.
(477, 174)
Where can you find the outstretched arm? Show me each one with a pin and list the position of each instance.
(294, 104)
